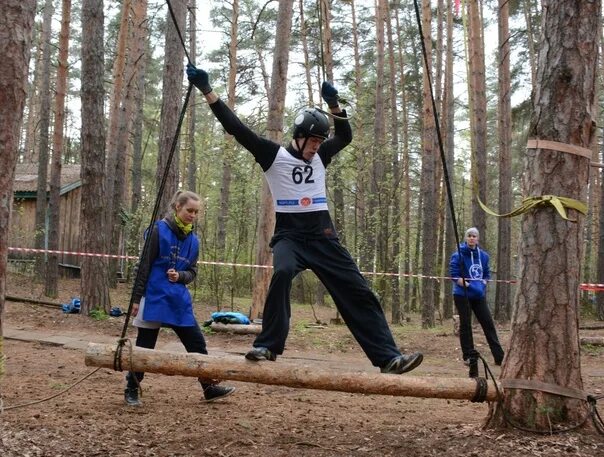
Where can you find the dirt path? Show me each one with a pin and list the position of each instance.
(91, 418)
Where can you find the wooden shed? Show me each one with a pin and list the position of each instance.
(23, 216)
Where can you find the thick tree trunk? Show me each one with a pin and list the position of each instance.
(16, 22)
(54, 206)
(274, 126)
(544, 344)
(281, 374)
(94, 282)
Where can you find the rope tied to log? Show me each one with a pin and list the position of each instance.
(481, 390)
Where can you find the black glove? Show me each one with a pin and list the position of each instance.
(329, 94)
(199, 78)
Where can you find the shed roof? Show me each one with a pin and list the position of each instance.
(26, 178)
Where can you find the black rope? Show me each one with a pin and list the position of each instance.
(182, 41)
(437, 126)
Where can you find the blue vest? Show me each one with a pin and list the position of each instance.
(170, 302)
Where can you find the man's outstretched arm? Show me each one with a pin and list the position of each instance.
(263, 150)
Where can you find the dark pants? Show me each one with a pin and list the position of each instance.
(483, 314)
(336, 269)
(191, 337)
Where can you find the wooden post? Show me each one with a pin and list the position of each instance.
(284, 374)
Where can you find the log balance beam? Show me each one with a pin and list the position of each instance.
(284, 374)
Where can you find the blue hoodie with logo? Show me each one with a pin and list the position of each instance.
(474, 266)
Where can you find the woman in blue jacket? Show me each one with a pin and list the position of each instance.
(470, 274)
(161, 297)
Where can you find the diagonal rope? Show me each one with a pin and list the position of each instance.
(438, 134)
(182, 41)
(117, 361)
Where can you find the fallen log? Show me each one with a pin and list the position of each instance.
(593, 340)
(284, 374)
(33, 301)
(239, 329)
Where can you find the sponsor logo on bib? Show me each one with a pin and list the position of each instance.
(305, 201)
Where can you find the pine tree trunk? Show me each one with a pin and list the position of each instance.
(54, 207)
(171, 105)
(479, 113)
(16, 23)
(599, 311)
(449, 140)
(503, 296)
(225, 188)
(94, 276)
(406, 185)
(117, 145)
(30, 154)
(530, 38)
(192, 124)
(393, 260)
(360, 225)
(305, 54)
(44, 129)
(428, 185)
(274, 132)
(139, 17)
(544, 344)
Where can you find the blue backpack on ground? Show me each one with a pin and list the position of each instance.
(73, 307)
(227, 317)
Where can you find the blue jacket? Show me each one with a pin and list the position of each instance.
(170, 302)
(474, 265)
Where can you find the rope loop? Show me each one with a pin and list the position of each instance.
(482, 388)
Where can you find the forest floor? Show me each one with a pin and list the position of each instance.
(91, 418)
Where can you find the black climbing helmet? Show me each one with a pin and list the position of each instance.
(311, 122)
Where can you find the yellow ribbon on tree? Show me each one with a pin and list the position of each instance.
(560, 203)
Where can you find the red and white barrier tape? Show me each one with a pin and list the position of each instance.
(586, 287)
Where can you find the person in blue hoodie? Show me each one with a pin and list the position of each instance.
(470, 274)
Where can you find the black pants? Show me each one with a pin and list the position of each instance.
(483, 314)
(336, 269)
(191, 337)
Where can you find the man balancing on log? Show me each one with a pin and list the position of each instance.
(305, 236)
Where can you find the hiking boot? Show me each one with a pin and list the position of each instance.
(215, 392)
(131, 396)
(473, 371)
(260, 353)
(403, 363)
